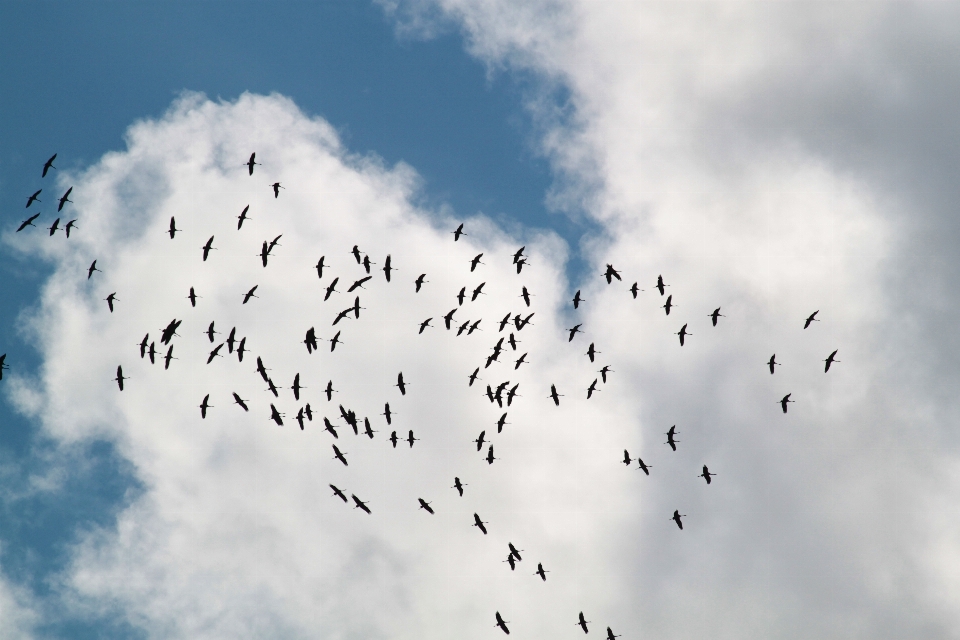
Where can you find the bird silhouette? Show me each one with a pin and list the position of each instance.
(669, 304)
(603, 373)
(478, 523)
(400, 384)
(167, 358)
(676, 518)
(387, 413)
(830, 360)
(272, 388)
(683, 333)
(592, 388)
(716, 314)
(706, 475)
(541, 572)
(204, 406)
(275, 415)
(320, 266)
(512, 562)
(475, 327)
(425, 506)
(447, 319)
(526, 297)
(231, 339)
(582, 623)
(556, 396)
(70, 225)
(251, 163)
(249, 294)
(490, 457)
(33, 198)
(143, 345)
(4, 366)
(296, 387)
(574, 331)
(458, 232)
(358, 284)
(215, 353)
(626, 458)
(241, 348)
(610, 634)
(461, 295)
(811, 318)
(367, 263)
(514, 551)
(308, 411)
(329, 427)
(331, 288)
(661, 285)
(240, 401)
(152, 352)
(458, 486)
(644, 467)
(119, 377)
(634, 289)
(477, 291)
(339, 455)
(276, 189)
(207, 248)
(300, 418)
(475, 262)
(360, 504)
(576, 300)
(670, 437)
(65, 198)
(334, 341)
(425, 324)
(592, 352)
(479, 440)
(356, 254)
(193, 298)
(520, 263)
(173, 227)
(387, 268)
(210, 332)
(611, 273)
(242, 217)
(420, 281)
(393, 439)
(505, 321)
(55, 226)
(111, 299)
(28, 222)
(772, 362)
(463, 327)
(520, 361)
(518, 254)
(410, 438)
(512, 341)
(48, 165)
(784, 401)
(92, 268)
(502, 623)
(367, 429)
(339, 493)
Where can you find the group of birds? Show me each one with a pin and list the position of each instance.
(502, 393)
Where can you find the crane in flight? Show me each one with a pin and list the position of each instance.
(676, 518)
(425, 506)
(275, 415)
(251, 163)
(320, 266)
(48, 165)
(425, 324)
(784, 401)
(811, 318)
(541, 572)
(249, 294)
(475, 262)
(502, 624)
(337, 454)
(603, 373)
(111, 299)
(669, 304)
(479, 440)
(33, 198)
(387, 268)
(240, 401)
(661, 285)
(458, 485)
(276, 189)
(173, 227)
(331, 288)
(478, 523)
(706, 475)
(592, 388)
(458, 232)
(207, 248)
(644, 467)
(65, 198)
(611, 273)
(772, 362)
(420, 281)
(670, 437)
(204, 406)
(554, 395)
(55, 226)
(28, 222)
(574, 331)
(635, 289)
(327, 425)
(338, 493)
(830, 360)
(592, 352)
(92, 268)
(683, 333)
(360, 503)
(119, 377)
(582, 623)
(716, 314)
(401, 384)
(611, 635)
(242, 217)
(576, 299)
(358, 284)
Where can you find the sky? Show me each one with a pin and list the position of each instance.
(767, 160)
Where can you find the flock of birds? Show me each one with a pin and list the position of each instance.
(500, 394)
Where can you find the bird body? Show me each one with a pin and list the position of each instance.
(676, 518)
(716, 314)
(784, 401)
(683, 334)
(425, 506)
(204, 406)
(48, 165)
(33, 198)
(830, 360)
(811, 318)
(671, 440)
(772, 363)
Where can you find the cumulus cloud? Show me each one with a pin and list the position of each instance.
(18, 611)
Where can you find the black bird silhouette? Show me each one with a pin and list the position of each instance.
(339, 455)
(207, 248)
(425, 324)
(320, 266)
(264, 253)
(92, 268)
(473, 376)
(475, 327)
(242, 217)
(490, 457)
(357, 307)
(676, 518)
(296, 387)
(784, 401)
(329, 427)
(425, 506)
(367, 429)
(670, 438)
(48, 165)
(458, 232)
(583, 623)
(644, 467)
(119, 377)
(772, 363)
(262, 370)
(193, 298)
(502, 624)
(477, 291)
(520, 263)
(458, 486)
(215, 353)
(683, 333)
(56, 225)
(811, 318)
(393, 439)
(419, 281)
(479, 440)
(387, 413)
(367, 263)
(249, 294)
(478, 523)
(166, 359)
(111, 299)
(505, 321)
(603, 373)
(541, 572)
(592, 352)
(343, 314)
(329, 390)
(276, 189)
(611, 273)
(512, 341)
(447, 319)
(460, 296)
(520, 361)
(576, 300)
(626, 458)
(251, 163)
(4, 366)
(634, 289)
(410, 438)
(334, 341)
(556, 396)
(241, 348)
(211, 332)
(33, 198)
(169, 331)
(65, 198)
(173, 227)
(70, 225)
(511, 561)
(592, 388)
(610, 634)
(716, 314)
(358, 283)
(400, 384)
(356, 254)
(300, 418)
(669, 304)
(360, 504)
(526, 296)
(830, 360)
(204, 406)
(475, 262)
(387, 268)
(240, 401)
(331, 288)
(28, 222)
(574, 331)
(706, 475)
(516, 256)
(272, 388)
(231, 339)
(660, 285)
(274, 243)
(143, 345)
(514, 552)
(308, 411)
(339, 493)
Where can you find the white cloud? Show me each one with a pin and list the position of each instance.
(18, 612)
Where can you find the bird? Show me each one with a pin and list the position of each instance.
(716, 314)
(706, 475)
(387, 268)
(320, 266)
(541, 572)
(48, 165)
(512, 341)
(576, 300)
(772, 363)
(669, 304)
(477, 291)
(275, 415)
(207, 248)
(387, 413)
(339, 493)
(169, 331)
(343, 314)
(634, 289)
(192, 297)
(334, 341)
(670, 438)
(119, 377)
(55, 226)
(360, 504)
(420, 281)
(251, 163)
(478, 523)
(479, 440)
(475, 327)
(367, 263)
(329, 427)
(272, 388)
(592, 352)
(33, 198)
(502, 624)
(626, 458)
(241, 348)
(512, 562)
(447, 319)
(358, 284)
(676, 518)
(400, 384)
(337, 454)
(603, 373)
(830, 360)
(367, 430)
(300, 418)
(425, 324)
(574, 331)
(644, 467)
(356, 253)
(143, 345)
(296, 387)
(463, 327)
(173, 227)
(240, 401)
(784, 401)
(461, 295)
(242, 217)
(167, 358)
(331, 288)
(520, 361)
(520, 263)
(553, 394)
(152, 351)
(276, 189)
(92, 268)
(516, 256)
(611, 273)
(582, 623)
(425, 506)
(111, 299)
(211, 332)
(65, 198)
(514, 551)
(308, 411)
(393, 438)
(611, 635)
(4, 366)
(28, 222)
(526, 297)
(458, 232)
(231, 339)
(592, 388)
(811, 318)
(458, 486)
(505, 321)
(490, 457)
(204, 406)
(264, 253)
(249, 294)
(215, 353)
(683, 333)
(329, 390)
(661, 285)
(274, 243)
(410, 438)
(475, 262)
(70, 225)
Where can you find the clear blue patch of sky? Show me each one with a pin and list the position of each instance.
(75, 75)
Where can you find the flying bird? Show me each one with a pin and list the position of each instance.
(70, 225)
(400, 384)
(211, 332)
(830, 360)
(574, 331)
(358, 283)
(166, 359)
(410, 438)
(251, 163)
(33, 198)
(111, 299)
(520, 263)
(276, 189)
(683, 333)
(541, 572)
(425, 324)
(477, 291)
(811, 318)
(272, 388)
(231, 339)
(48, 165)
(626, 458)
(240, 401)
(644, 467)
(716, 314)
(55, 226)
(356, 254)
(387, 413)
(515, 552)
(329, 427)
(661, 285)
(706, 475)
(65, 198)
(458, 232)
(479, 440)
(334, 341)
(603, 373)
(275, 415)
(169, 331)
(360, 504)
(669, 304)
(331, 288)
(215, 353)
(249, 294)
(458, 486)
(520, 361)
(425, 506)
(320, 266)
(4, 366)
(207, 248)
(611, 273)
(300, 418)
(367, 263)
(242, 217)
(772, 363)
(670, 438)
(490, 457)
(475, 262)
(192, 297)
(393, 439)
(447, 319)
(634, 289)
(329, 390)
(387, 268)
(173, 227)
(28, 222)
(512, 341)
(592, 352)
(419, 281)
(473, 376)
(576, 300)
(367, 430)
(475, 327)
(339, 493)
(611, 635)
(296, 387)
(461, 295)
(119, 377)
(204, 406)
(502, 624)
(556, 396)
(582, 623)
(241, 348)
(526, 296)
(512, 562)
(339, 455)
(676, 518)
(592, 388)
(478, 523)
(143, 345)
(784, 401)
(516, 256)
(505, 321)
